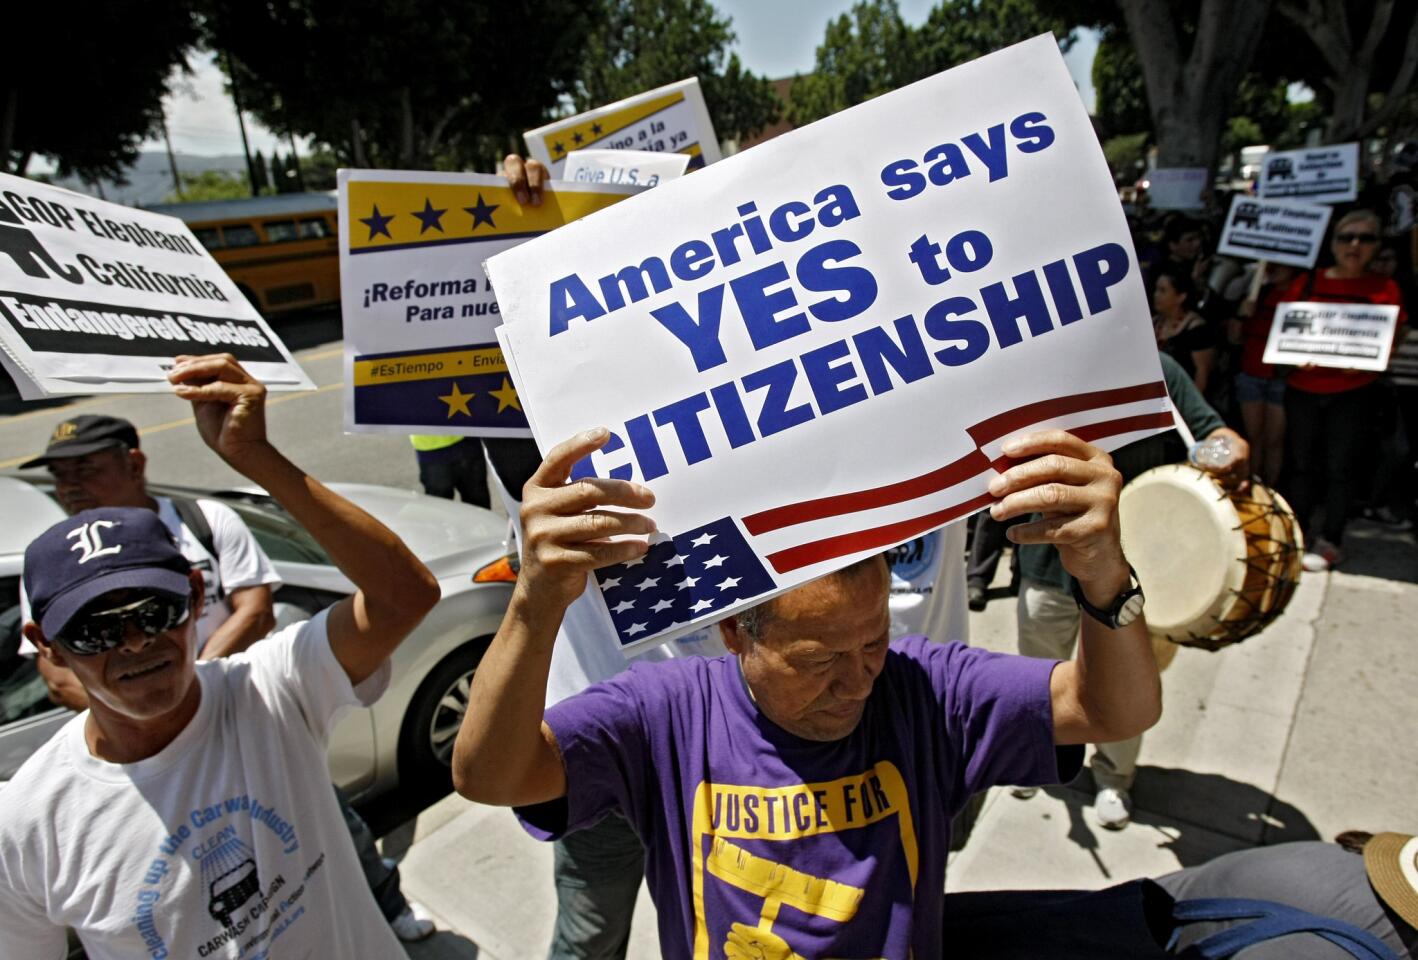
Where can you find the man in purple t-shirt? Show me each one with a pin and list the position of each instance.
(795, 796)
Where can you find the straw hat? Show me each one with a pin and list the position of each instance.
(1391, 860)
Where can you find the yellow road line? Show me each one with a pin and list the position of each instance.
(144, 431)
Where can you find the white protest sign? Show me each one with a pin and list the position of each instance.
(807, 369)
(420, 354)
(668, 119)
(633, 168)
(1352, 336)
(1176, 188)
(98, 298)
(1323, 174)
(1278, 230)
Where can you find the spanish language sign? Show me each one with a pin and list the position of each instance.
(668, 119)
(1323, 174)
(1353, 336)
(807, 368)
(635, 168)
(99, 298)
(420, 354)
(1282, 231)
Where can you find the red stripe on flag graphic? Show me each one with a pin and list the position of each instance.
(965, 468)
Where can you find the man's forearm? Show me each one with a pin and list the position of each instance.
(501, 756)
(1118, 684)
(251, 619)
(395, 585)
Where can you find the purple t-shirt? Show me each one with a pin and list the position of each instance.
(830, 849)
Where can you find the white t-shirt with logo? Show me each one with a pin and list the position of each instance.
(240, 562)
(928, 594)
(228, 843)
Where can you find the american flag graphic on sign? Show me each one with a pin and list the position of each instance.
(696, 575)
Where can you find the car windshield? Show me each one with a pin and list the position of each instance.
(284, 540)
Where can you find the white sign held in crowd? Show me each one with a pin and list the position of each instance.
(420, 354)
(1320, 175)
(1352, 336)
(807, 370)
(668, 119)
(1281, 231)
(632, 168)
(1176, 188)
(98, 298)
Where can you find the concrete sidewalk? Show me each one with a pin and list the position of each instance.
(1307, 730)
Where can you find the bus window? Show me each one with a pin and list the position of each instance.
(313, 228)
(240, 235)
(208, 237)
(279, 231)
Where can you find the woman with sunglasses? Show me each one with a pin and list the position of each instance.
(1325, 405)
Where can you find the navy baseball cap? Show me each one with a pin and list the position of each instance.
(89, 554)
(85, 434)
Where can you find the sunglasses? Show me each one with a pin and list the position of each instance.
(1356, 238)
(93, 633)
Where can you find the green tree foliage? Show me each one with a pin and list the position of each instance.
(211, 185)
(82, 82)
(637, 45)
(409, 83)
(259, 172)
(872, 50)
(1117, 83)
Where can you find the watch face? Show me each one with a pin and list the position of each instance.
(1131, 609)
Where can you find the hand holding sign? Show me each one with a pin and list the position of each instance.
(228, 403)
(567, 533)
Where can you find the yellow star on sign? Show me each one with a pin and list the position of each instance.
(506, 396)
(458, 401)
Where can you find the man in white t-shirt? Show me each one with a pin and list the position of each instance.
(188, 812)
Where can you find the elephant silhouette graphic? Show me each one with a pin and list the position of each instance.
(27, 252)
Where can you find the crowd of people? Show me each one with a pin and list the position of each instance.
(787, 782)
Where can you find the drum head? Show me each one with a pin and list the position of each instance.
(1183, 537)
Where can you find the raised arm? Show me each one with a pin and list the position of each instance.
(1111, 690)
(394, 590)
(505, 754)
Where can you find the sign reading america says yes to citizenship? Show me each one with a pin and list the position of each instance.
(98, 298)
(420, 354)
(668, 119)
(813, 350)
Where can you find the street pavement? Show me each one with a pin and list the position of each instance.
(1302, 732)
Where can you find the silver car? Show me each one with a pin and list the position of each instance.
(407, 737)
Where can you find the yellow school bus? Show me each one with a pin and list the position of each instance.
(282, 252)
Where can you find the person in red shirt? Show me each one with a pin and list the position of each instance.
(1324, 405)
(1260, 388)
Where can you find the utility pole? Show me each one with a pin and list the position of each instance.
(171, 160)
(240, 122)
(295, 159)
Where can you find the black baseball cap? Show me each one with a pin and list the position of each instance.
(85, 434)
(83, 557)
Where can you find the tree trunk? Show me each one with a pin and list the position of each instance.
(1350, 64)
(406, 129)
(1351, 90)
(1190, 96)
(357, 146)
(7, 125)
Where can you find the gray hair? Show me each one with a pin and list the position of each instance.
(754, 621)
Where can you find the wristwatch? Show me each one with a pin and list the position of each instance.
(1124, 609)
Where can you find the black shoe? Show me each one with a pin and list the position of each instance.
(976, 595)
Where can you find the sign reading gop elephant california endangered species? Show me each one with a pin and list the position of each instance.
(668, 119)
(420, 354)
(812, 351)
(99, 298)
(1284, 231)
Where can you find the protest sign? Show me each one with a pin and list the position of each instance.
(420, 355)
(634, 168)
(1176, 188)
(1352, 336)
(807, 369)
(668, 119)
(1324, 174)
(1282, 231)
(98, 298)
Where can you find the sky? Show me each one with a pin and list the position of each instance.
(777, 38)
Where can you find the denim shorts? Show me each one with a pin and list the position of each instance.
(1251, 389)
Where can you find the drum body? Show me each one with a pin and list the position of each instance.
(1216, 567)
